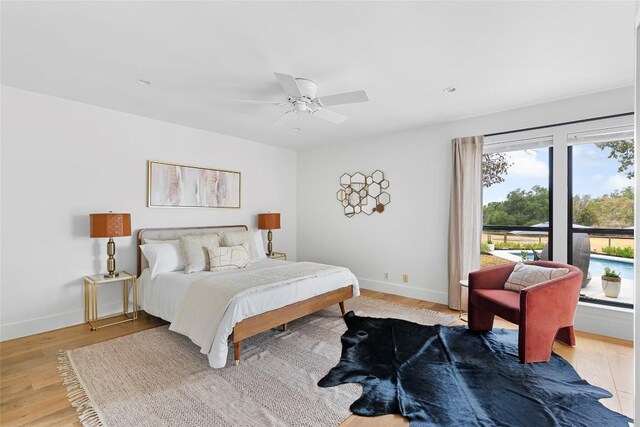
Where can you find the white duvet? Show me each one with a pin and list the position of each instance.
(164, 297)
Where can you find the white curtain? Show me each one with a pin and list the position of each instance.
(465, 214)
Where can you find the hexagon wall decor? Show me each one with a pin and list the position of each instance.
(363, 194)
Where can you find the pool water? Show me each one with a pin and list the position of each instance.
(597, 265)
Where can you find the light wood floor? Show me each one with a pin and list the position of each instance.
(31, 392)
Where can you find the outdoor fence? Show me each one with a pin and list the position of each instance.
(517, 240)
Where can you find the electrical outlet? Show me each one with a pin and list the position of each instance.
(405, 278)
(386, 276)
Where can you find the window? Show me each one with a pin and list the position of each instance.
(517, 195)
(593, 229)
(601, 214)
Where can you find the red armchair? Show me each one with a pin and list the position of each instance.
(544, 312)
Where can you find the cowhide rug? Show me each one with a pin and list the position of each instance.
(438, 375)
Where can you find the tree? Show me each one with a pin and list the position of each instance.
(623, 152)
(494, 166)
(530, 207)
(584, 210)
(613, 210)
(521, 207)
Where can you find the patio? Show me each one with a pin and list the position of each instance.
(594, 290)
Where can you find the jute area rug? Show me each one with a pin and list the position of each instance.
(159, 378)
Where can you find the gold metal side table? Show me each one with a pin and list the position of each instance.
(278, 255)
(90, 287)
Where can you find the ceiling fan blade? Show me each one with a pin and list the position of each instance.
(343, 98)
(286, 117)
(289, 85)
(280, 104)
(330, 116)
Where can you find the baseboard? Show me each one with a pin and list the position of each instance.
(603, 320)
(49, 323)
(404, 290)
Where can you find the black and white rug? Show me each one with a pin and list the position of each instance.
(439, 375)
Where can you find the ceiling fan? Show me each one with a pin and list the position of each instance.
(301, 98)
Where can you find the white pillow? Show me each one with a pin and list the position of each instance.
(196, 257)
(229, 257)
(257, 237)
(163, 257)
(525, 275)
(152, 241)
(235, 238)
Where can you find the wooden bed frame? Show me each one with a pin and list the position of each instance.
(261, 322)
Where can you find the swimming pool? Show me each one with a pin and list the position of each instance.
(597, 264)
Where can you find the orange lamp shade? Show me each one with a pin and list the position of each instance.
(110, 224)
(269, 221)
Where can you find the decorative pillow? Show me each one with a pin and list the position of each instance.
(163, 257)
(229, 257)
(257, 237)
(235, 238)
(195, 251)
(525, 275)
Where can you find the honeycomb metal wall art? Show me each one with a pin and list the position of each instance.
(363, 194)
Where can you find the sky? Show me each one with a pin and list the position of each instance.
(593, 173)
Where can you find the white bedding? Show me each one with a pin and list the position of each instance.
(164, 295)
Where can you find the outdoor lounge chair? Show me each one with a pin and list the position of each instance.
(581, 255)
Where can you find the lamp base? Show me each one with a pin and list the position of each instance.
(269, 245)
(111, 261)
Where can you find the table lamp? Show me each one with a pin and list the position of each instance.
(269, 221)
(110, 225)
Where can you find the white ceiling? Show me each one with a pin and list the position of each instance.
(200, 55)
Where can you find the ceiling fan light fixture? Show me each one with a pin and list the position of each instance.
(308, 88)
(301, 97)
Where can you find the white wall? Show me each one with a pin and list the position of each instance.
(411, 235)
(63, 160)
(404, 238)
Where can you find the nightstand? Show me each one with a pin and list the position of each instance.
(90, 286)
(278, 255)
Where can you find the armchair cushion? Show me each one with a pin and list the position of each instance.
(505, 304)
(525, 275)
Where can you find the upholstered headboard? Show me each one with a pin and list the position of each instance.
(175, 233)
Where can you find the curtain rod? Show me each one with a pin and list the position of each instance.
(613, 116)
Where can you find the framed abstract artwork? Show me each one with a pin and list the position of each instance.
(180, 186)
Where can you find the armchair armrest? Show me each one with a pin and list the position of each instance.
(562, 294)
(490, 278)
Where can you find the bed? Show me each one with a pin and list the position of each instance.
(255, 310)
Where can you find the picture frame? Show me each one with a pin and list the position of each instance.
(172, 185)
